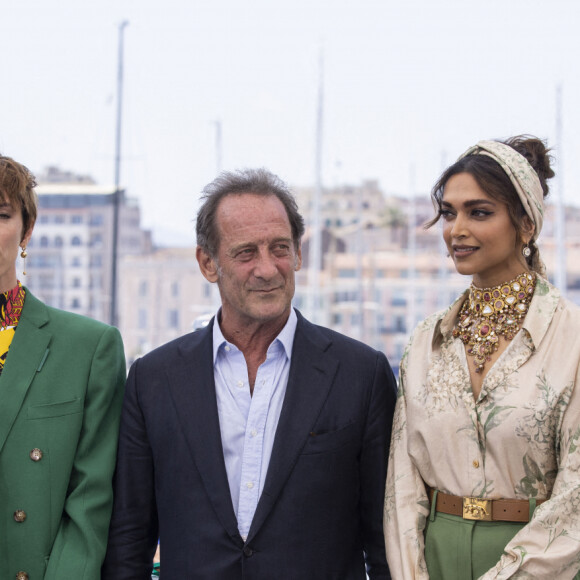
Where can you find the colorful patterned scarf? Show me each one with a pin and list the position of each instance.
(11, 304)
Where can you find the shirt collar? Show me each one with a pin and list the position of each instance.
(542, 308)
(286, 336)
(11, 303)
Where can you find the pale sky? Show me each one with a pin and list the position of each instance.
(408, 84)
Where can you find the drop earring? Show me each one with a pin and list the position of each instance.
(23, 255)
(526, 252)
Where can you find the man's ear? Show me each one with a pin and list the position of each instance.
(298, 261)
(207, 265)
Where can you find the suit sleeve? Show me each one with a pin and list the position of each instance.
(134, 525)
(373, 467)
(80, 543)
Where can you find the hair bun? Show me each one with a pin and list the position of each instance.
(537, 154)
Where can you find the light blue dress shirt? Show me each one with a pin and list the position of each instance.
(248, 423)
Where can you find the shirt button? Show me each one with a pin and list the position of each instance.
(248, 551)
(227, 348)
(253, 432)
(36, 454)
(475, 463)
(240, 384)
(19, 516)
(250, 484)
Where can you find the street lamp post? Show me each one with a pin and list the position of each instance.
(117, 194)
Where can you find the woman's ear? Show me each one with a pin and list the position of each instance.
(26, 237)
(528, 230)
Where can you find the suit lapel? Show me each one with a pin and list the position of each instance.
(192, 387)
(27, 352)
(312, 373)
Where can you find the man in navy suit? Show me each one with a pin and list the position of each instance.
(257, 447)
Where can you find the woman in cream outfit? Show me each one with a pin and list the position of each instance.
(484, 473)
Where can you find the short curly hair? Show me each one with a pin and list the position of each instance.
(17, 188)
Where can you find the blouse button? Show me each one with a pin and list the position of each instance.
(475, 463)
(36, 454)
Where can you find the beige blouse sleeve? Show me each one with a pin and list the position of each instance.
(406, 503)
(549, 546)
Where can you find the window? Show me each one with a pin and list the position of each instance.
(96, 219)
(75, 303)
(175, 289)
(76, 282)
(76, 241)
(58, 242)
(58, 219)
(76, 262)
(142, 318)
(76, 219)
(399, 324)
(173, 318)
(399, 299)
(44, 242)
(143, 288)
(96, 240)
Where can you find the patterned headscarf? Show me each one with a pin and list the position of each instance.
(525, 180)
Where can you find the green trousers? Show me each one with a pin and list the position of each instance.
(458, 549)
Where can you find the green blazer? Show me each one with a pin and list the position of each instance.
(60, 400)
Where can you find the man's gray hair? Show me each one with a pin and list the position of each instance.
(253, 181)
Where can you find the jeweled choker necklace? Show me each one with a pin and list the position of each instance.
(490, 313)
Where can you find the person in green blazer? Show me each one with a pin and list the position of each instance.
(61, 388)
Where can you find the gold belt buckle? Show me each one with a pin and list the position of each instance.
(475, 508)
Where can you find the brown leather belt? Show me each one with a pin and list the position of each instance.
(491, 510)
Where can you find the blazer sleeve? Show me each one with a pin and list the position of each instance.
(134, 525)
(373, 467)
(80, 543)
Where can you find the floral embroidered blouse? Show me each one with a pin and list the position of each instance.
(519, 440)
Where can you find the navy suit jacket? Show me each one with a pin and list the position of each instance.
(320, 512)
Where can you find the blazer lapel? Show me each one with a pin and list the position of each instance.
(192, 387)
(311, 376)
(26, 355)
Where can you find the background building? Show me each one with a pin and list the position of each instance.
(380, 273)
(162, 294)
(70, 253)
